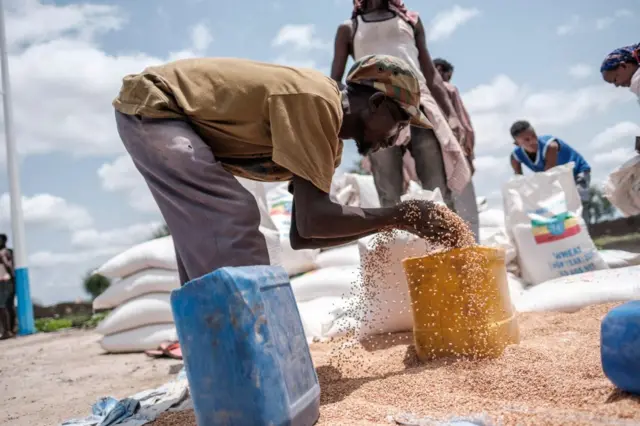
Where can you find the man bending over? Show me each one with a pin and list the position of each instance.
(190, 126)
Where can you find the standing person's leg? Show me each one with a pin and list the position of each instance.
(212, 218)
(427, 154)
(583, 183)
(11, 307)
(467, 207)
(386, 168)
(5, 330)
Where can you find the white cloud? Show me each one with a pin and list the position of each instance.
(55, 52)
(445, 23)
(614, 157)
(489, 163)
(29, 21)
(300, 37)
(569, 27)
(49, 259)
(121, 175)
(300, 41)
(562, 107)
(580, 71)
(624, 131)
(47, 210)
(500, 92)
(201, 37)
(606, 21)
(119, 237)
(623, 13)
(495, 106)
(576, 23)
(293, 62)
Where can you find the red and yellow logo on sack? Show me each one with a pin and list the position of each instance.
(281, 207)
(555, 228)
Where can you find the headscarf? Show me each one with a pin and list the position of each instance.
(396, 6)
(624, 54)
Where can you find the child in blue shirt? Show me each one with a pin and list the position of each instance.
(540, 153)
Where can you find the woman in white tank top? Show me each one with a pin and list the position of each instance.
(387, 27)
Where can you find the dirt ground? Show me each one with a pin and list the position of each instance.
(553, 377)
(46, 379)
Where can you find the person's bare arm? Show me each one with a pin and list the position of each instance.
(516, 166)
(6, 259)
(341, 51)
(551, 157)
(431, 74)
(318, 222)
(300, 243)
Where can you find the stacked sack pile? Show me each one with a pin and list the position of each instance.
(326, 283)
(144, 276)
(142, 280)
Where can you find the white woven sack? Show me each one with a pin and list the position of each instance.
(139, 339)
(149, 309)
(138, 284)
(544, 220)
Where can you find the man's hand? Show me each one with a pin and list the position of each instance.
(435, 223)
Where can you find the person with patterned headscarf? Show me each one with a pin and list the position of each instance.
(191, 125)
(387, 27)
(622, 68)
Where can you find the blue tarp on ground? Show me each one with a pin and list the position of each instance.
(140, 409)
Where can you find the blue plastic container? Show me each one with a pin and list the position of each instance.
(244, 348)
(620, 346)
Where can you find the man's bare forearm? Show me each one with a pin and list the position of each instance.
(299, 243)
(337, 221)
(317, 216)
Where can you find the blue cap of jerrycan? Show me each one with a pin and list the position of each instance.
(244, 348)
(620, 346)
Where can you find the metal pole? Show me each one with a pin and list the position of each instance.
(25, 307)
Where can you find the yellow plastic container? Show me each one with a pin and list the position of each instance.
(461, 303)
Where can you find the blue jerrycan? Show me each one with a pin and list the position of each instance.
(620, 346)
(244, 349)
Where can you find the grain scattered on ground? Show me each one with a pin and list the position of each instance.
(553, 377)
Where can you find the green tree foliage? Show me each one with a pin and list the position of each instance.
(162, 231)
(95, 284)
(599, 207)
(357, 168)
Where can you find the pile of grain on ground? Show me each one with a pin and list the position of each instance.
(553, 377)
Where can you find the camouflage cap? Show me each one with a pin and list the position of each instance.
(393, 77)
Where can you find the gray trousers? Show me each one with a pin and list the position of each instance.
(583, 183)
(467, 209)
(386, 167)
(212, 218)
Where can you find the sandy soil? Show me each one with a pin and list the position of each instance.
(46, 379)
(553, 377)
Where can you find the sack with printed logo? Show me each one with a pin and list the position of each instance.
(543, 215)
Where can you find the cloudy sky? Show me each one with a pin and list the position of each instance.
(83, 200)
